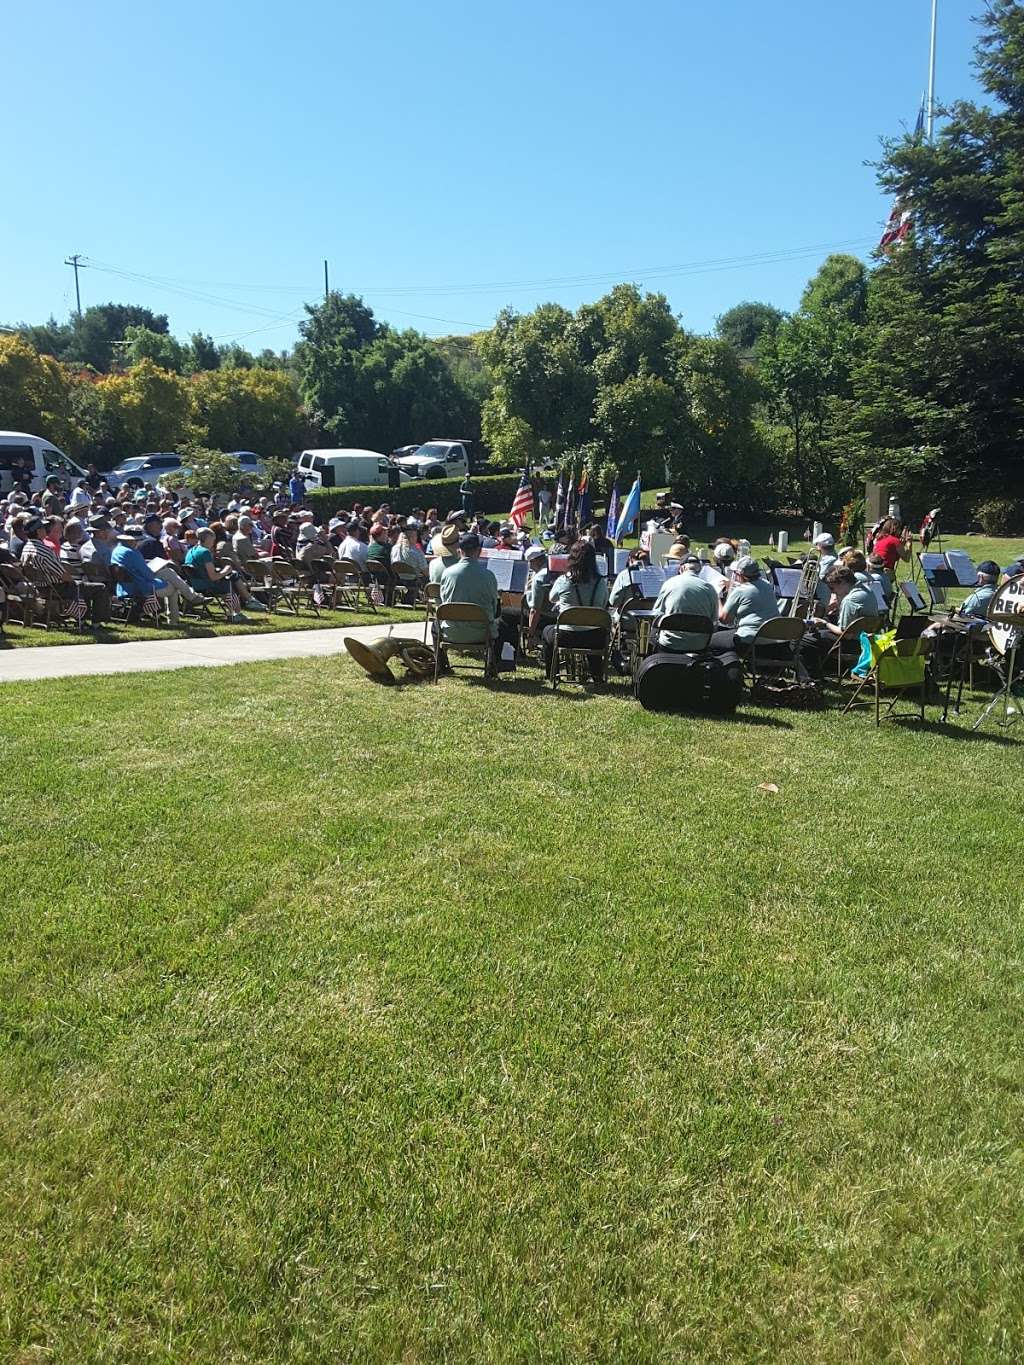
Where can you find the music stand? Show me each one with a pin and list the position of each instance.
(1011, 621)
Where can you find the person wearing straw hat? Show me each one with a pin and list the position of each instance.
(445, 551)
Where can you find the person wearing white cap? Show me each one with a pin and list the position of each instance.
(537, 589)
(825, 544)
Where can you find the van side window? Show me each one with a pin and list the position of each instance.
(319, 463)
(383, 467)
(56, 463)
(9, 455)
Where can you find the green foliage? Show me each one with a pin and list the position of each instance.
(206, 471)
(492, 495)
(944, 367)
(141, 343)
(254, 409)
(743, 325)
(144, 408)
(840, 286)
(1000, 516)
(205, 355)
(36, 394)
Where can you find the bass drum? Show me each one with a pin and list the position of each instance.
(708, 683)
(1008, 601)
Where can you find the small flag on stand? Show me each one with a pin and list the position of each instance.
(584, 506)
(522, 503)
(630, 511)
(613, 510)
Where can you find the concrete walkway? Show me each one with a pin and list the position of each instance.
(150, 656)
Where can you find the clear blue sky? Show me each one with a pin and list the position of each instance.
(436, 153)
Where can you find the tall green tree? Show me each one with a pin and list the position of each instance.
(743, 325)
(938, 405)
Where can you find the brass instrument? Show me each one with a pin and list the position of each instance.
(803, 598)
(374, 655)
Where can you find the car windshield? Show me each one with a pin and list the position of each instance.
(135, 463)
(432, 451)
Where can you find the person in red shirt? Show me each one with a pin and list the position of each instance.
(891, 544)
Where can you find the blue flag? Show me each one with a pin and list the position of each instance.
(613, 510)
(584, 507)
(630, 511)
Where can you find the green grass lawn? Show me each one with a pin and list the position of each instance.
(469, 1023)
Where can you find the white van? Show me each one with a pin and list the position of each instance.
(348, 469)
(19, 450)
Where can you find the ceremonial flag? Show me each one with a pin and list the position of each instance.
(560, 503)
(897, 227)
(613, 510)
(584, 506)
(522, 503)
(570, 498)
(630, 511)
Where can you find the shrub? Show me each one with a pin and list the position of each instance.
(492, 493)
(1000, 516)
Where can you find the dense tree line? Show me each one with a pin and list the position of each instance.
(910, 371)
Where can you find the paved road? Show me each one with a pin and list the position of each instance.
(150, 656)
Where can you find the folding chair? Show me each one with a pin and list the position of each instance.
(775, 649)
(405, 580)
(431, 601)
(261, 580)
(470, 613)
(846, 649)
(288, 590)
(686, 623)
(573, 619)
(43, 597)
(899, 666)
(349, 586)
(380, 577)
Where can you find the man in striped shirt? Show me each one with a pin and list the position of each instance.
(46, 569)
(96, 594)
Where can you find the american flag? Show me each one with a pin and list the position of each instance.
(897, 227)
(522, 503)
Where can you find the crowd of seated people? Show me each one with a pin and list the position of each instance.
(154, 554)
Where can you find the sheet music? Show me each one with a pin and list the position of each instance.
(883, 605)
(930, 562)
(651, 580)
(503, 554)
(711, 575)
(963, 566)
(911, 592)
(621, 560)
(602, 565)
(787, 581)
(502, 571)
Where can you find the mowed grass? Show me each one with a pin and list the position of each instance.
(469, 1023)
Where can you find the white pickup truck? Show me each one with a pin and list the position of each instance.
(437, 459)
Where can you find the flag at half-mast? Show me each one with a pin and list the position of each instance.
(522, 503)
(584, 506)
(901, 218)
(560, 503)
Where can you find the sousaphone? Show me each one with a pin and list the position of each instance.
(373, 655)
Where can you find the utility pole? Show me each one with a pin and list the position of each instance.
(74, 262)
(931, 71)
(326, 288)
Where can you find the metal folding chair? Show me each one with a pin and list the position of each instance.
(466, 612)
(575, 655)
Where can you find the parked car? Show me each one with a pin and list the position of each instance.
(348, 468)
(44, 459)
(439, 458)
(143, 470)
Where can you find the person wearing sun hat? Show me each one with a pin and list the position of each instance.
(445, 550)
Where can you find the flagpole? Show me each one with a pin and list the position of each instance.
(931, 71)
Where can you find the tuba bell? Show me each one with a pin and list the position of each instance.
(373, 656)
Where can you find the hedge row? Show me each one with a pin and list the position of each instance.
(492, 493)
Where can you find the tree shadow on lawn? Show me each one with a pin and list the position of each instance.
(957, 732)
